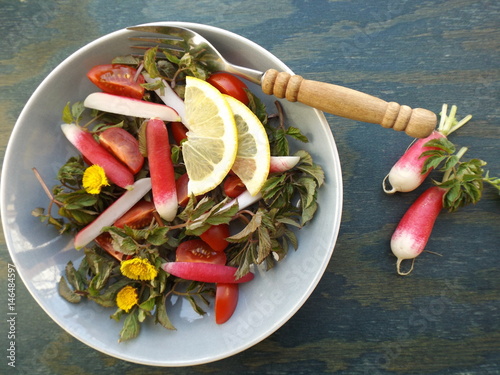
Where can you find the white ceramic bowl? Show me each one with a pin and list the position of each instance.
(40, 254)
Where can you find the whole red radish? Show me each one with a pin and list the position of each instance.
(161, 169)
(414, 229)
(407, 174)
(117, 173)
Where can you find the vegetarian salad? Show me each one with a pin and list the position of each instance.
(183, 184)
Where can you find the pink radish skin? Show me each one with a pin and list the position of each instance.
(205, 272)
(161, 169)
(130, 107)
(113, 213)
(280, 164)
(168, 96)
(414, 229)
(406, 175)
(84, 142)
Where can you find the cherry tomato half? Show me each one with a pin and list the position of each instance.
(178, 131)
(230, 85)
(104, 241)
(198, 251)
(226, 299)
(233, 186)
(117, 79)
(215, 236)
(139, 216)
(123, 146)
(181, 186)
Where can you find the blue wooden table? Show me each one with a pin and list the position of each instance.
(362, 318)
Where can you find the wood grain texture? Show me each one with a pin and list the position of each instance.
(362, 318)
(348, 103)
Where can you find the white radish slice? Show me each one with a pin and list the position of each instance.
(169, 96)
(112, 213)
(244, 200)
(282, 163)
(130, 107)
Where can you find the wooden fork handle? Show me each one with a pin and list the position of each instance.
(348, 103)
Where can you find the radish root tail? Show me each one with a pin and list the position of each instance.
(385, 184)
(398, 267)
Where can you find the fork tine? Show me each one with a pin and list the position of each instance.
(178, 32)
(173, 44)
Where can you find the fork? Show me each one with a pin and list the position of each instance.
(337, 100)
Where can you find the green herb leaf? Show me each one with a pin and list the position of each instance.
(150, 62)
(108, 298)
(66, 292)
(441, 143)
(161, 314)
(432, 162)
(296, 134)
(67, 116)
(74, 277)
(131, 326)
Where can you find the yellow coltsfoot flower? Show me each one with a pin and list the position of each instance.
(138, 269)
(94, 179)
(127, 298)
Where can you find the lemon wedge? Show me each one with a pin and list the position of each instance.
(253, 156)
(212, 139)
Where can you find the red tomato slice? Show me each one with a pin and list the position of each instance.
(123, 146)
(230, 85)
(178, 131)
(215, 236)
(226, 299)
(139, 216)
(181, 185)
(198, 251)
(117, 79)
(233, 186)
(104, 242)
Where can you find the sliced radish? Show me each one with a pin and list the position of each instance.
(161, 169)
(168, 96)
(114, 212)
(244, 200)
(282, 163)
(205, 272)
(117, 173)
(130, 107)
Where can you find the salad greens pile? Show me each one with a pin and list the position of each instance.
(261, 234)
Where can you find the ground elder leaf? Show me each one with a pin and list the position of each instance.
(161, 314)
(131, 327)
(66, 292)
(150, 62)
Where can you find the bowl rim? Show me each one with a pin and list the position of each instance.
(9, 154)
